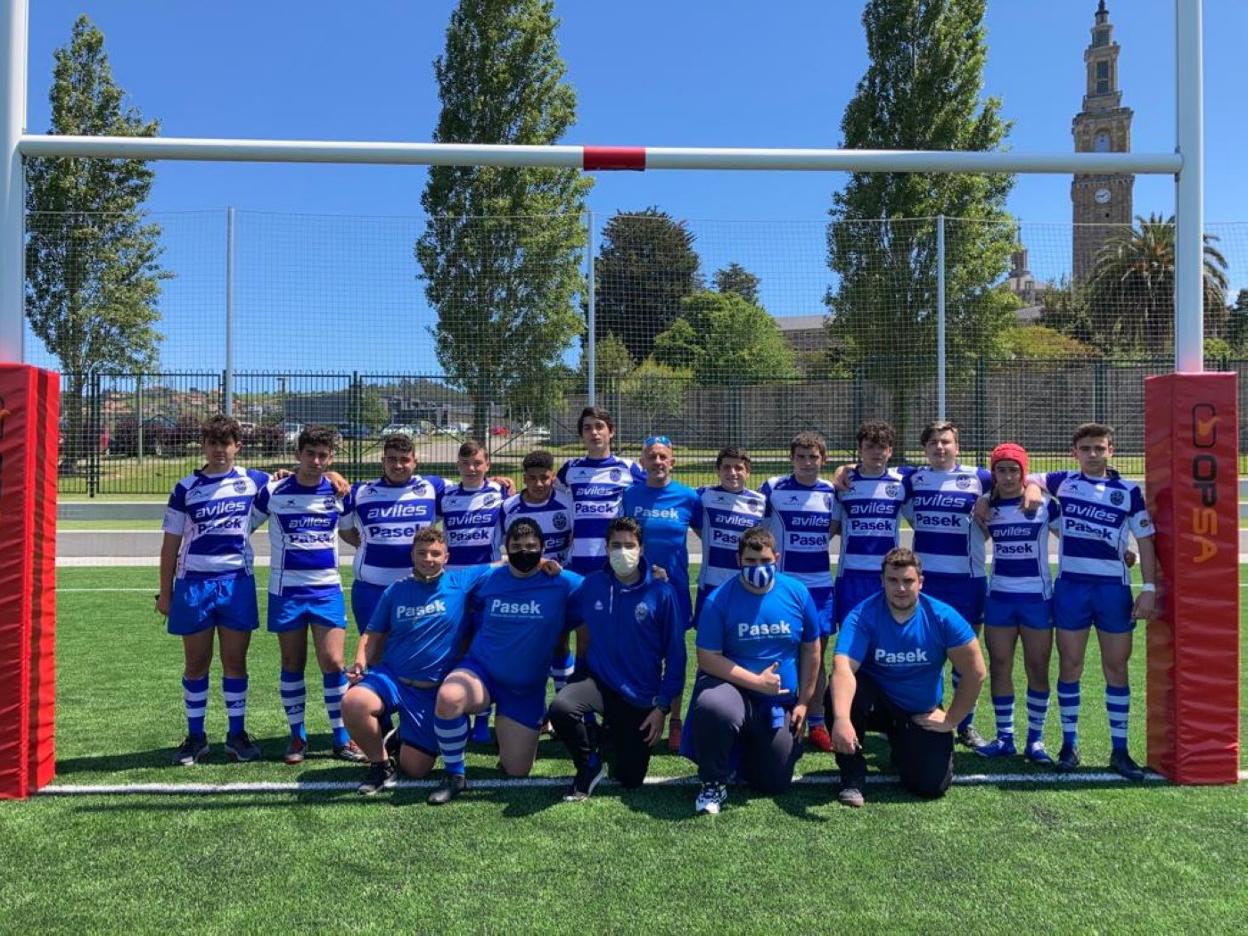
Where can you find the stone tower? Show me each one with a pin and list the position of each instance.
(1100, 202)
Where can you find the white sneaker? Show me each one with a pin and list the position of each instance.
(710, 798)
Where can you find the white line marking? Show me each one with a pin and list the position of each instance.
(495, 783)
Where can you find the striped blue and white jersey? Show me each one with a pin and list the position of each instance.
(553, 516)
(1020, 550)
(939, 505)
(870, 517)
(596, 486)
(719, 518)
(470, 517)
(1098, 518)
(800, 517)
(212, 514)
(303, 537)
(387, 517)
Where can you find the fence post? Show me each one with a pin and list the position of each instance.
(138, 414)
(1098, 391)
(591, 320)
(93, 436)
(940, 318)
(981, 406)
(227, 393)
(355, 408)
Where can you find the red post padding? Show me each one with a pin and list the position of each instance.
(29, 416)
(1192, 485)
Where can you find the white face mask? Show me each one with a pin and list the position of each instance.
(624, 560)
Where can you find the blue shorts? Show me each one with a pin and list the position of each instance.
(524, 706)
(414, 707)
(288, 614)
(964, 592)
(825, 606)
(364, 599)
(1079, 605)
(1033, 613)
(223, 601)
(853, 588)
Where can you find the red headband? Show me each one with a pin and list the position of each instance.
(1010, 451)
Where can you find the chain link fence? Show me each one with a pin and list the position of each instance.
(712, 332)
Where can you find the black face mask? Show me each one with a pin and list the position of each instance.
(524, 561)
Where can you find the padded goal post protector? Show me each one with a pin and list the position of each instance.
(29, 436)
(1192, 483)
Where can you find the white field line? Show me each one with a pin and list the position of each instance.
(339, 786)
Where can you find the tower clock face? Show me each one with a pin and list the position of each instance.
(1102, 196)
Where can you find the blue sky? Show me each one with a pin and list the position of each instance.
(651, 73)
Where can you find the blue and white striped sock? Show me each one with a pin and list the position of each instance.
(562, 666)
(452, 735)
(1118, 707)
(956, 679)
(334, 688)
(234, 688)
(1003, 706)
(1068, 707)
(294, 700)
(195, 700)
(1037, 712)
(814, 721)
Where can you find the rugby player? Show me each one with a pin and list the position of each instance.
(887, 676)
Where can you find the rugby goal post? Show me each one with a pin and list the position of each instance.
(1193, 499)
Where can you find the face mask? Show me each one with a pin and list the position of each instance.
(525, 561)
(624, 560)
(759, 576)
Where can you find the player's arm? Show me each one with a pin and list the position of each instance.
(969, 661)
(349, 535)
(169, 548)
(716, 664)
(844, 685)
(1146, 600)
(807, 675)
(367, 653)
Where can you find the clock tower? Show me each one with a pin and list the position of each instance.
(1100, 202)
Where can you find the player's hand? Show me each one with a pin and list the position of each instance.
(1145, 606)
(659, 573)
(1033, 498)
(282, 473)
(551, 566)
(840, 477)
(652, 728)
(355, 673)
(163, 601)
(341, 486)
(844, 738)
(936, 720)
(981, 511)
(769, 681)
(505, 483)
(1128, 559)
(797, 720)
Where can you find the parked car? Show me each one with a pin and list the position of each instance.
(290, 431)
(503, 431)
(354, 431)
(404, 428)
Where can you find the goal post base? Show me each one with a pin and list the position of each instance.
(29, 449)
(1192, 483)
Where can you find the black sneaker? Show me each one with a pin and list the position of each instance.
(584, 782)
(851, 795)
(241, 747)
(381, 776)
(970, 737)
(192, 749)
(450, 787)
(1067, 759)
(1120, 762)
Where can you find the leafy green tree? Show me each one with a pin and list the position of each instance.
(92, 257)
(1040, 342)
(1064, 308)
(501, 256)
(655, 389)
(722, 338)
(645, 267)
(922, 90)
(1131, 292)
(1237, 323)
(734, 278)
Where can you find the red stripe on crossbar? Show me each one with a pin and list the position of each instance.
(596, 158)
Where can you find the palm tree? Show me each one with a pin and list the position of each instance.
(1131, 291)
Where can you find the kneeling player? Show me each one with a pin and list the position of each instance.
(519, 616)
(415, 634)
(1020, 602)
(887, 676)
(758, 662)
(636, 665)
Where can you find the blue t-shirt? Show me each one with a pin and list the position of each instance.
(664, 515)
(518, 621)
(755, 631)
(906, 660)
(425, 623)
(636, 637)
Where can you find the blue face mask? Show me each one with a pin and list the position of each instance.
(759, 576)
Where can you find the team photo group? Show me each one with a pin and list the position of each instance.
(469, 596)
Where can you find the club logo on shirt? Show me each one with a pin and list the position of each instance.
(1116, 498)
(640, 613)
(408, 613)
(560, 522)
(419, 487)
(240, 486)
(963, 482)
(597, 605)
(329, 503)
(793, 499)
(615, 474)
(890, 490)
(827, 501)
(749, 631)
(909, 656)
(490, 500)
(516, 608)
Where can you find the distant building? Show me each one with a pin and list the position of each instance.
(804, 333)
